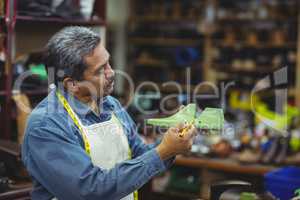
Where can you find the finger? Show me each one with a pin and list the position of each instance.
(176, 128)
(172, 130)
(189, 132)
(180, 126)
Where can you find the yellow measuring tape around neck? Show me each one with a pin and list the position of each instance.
(68, 108)
(87, 146)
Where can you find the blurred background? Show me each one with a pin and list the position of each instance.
(241, 56)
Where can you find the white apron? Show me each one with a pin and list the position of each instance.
(108, 144)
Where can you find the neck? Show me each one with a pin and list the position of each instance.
(88, 100)
(84, 99)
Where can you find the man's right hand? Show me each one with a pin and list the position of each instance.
(172, 144)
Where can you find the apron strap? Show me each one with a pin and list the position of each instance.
(76, 121)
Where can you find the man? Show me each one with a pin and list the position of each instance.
(79, 142)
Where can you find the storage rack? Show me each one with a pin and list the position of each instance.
(17, 40)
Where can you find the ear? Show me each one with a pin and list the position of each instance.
(71, 85)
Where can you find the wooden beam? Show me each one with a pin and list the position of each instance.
(297, 87)
(225, 165)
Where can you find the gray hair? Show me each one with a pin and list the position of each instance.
(66, 50)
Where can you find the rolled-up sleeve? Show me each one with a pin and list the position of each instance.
(62, 166)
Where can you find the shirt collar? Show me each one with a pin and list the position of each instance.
(82, 109)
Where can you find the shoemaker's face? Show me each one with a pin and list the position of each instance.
(99, 76)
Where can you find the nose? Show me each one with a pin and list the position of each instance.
(109, 73)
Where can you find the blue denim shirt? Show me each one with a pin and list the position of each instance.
(54, 155)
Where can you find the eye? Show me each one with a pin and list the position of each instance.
(99, 71)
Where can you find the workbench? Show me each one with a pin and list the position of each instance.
(212, 170)
(225, 165)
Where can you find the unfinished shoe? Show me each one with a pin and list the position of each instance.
(185, 115)
(210, 119)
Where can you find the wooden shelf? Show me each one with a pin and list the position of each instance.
(23, 193)
(2, 93)
(226, 68)
(98, 22)
(38, 29)
(226, 165)
(38, 91)
(173, 194)
(241, 44)
(10, 147)
(254, 19)
(27, 92)
(168, 20)
(151, 63)
(292, 92)
(265, 93)
(148, 64)
(185, 88)
(165, 41)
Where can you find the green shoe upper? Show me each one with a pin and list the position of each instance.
(210, 118)
(185, 115)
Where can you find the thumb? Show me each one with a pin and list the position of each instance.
(191, 132)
